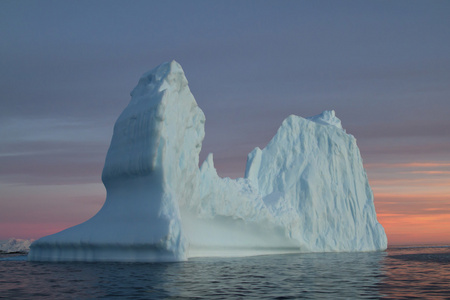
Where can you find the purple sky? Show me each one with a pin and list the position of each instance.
(67, 68)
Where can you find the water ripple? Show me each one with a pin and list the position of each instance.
(395, 274)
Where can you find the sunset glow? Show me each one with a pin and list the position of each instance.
(413, 201)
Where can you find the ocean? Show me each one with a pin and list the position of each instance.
(398, 273)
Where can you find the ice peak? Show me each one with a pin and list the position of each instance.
(175, 66)
(208, 163)
(168, 75)
(327, 117)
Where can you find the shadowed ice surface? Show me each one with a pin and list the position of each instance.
(397, 273)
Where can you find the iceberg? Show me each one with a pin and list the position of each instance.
(14, 245)
(306, 191)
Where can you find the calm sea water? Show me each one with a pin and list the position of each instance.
(399, 273)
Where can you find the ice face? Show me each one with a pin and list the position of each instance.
(306, 191)
(311, 177)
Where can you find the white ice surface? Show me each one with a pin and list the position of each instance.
(15, 245)
(306, 191)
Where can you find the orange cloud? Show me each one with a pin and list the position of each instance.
(407, 165)
(414, 219)
(416, 229)
(428, 172)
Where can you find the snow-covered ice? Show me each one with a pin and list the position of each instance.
(15, 245)
(306, 191)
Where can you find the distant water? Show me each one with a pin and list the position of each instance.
(399, 273)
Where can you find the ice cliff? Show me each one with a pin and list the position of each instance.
(306, 191)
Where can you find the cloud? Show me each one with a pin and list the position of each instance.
(407, 165)
(52, 151)
(414, 217)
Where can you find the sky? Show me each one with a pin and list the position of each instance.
(67, 68)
